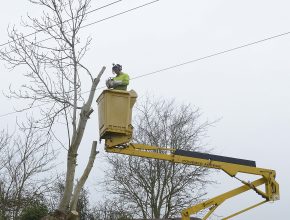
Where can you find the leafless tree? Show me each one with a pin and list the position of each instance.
(108, 209)
(152, 188)
(25, 159)
(56, 77)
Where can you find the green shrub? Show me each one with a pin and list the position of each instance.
(34, 212)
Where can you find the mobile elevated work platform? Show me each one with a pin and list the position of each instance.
(115, 113)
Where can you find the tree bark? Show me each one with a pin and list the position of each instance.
(81, 182)
(72, 153)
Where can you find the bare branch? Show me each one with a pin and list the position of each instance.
(84, 177)
(27, 156)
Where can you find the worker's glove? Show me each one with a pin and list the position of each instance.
(109, 83)
(116, 83)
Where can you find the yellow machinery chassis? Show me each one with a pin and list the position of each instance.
(231, 166)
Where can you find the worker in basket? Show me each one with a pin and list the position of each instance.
(121, 81)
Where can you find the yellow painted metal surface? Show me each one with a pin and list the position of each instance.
(267, 179)
(115, 113)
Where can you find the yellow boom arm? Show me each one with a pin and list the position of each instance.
(115, 112)
(232, 168)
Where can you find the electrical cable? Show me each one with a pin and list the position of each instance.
(28, 35)
(178, 65)
(121, 13)
(96, 22)
(213, 55)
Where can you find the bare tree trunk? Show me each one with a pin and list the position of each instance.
(72, 154)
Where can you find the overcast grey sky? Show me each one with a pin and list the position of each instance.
(249, 89)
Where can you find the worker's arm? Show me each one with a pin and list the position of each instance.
(121, 80)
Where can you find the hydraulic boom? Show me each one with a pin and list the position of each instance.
(231, 166)
(118, 133)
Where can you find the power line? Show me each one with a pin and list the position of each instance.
(121, 13)
(213, 55)
(178, 65)
(110, 17)
(94, 10)
(96, 22)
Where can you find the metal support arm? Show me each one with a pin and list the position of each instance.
(206, 160)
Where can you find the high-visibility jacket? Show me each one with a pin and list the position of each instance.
(124, 78)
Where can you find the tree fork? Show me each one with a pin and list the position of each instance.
(64, 205)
